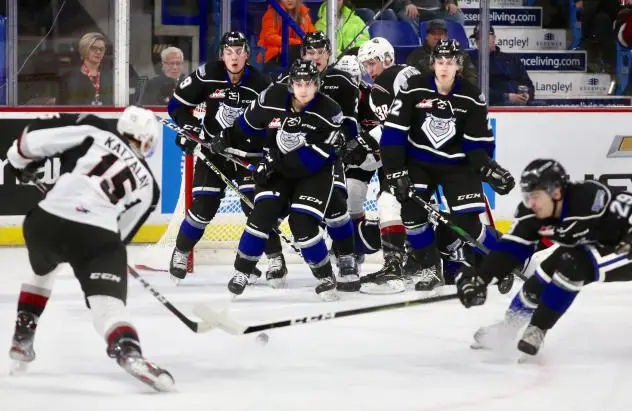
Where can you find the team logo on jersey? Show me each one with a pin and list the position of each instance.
(440, 124)
(288, 141)
(275, 123)
(546, 230)
(293, 121)
(219, 93)
(226, 115)
(425, 103)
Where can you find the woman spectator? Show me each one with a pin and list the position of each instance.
(270, 36)
(348, 25)
(90, 83)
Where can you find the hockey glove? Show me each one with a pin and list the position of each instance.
(625, 245)
(470, 287)
(497, 177)
(357, 149)
(399, 184)
(30, 173)
(220, 142)
(265, 167)
(184, 143)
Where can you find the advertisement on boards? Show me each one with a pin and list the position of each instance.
(570, 84)
(476, 4)
(517, 39)
(557, 61)
(507, 17)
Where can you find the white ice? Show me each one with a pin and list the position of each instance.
(408, 359)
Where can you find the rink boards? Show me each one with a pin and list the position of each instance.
(590, 143)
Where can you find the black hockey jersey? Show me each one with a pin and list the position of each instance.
(103, 182)
(338, 85)
(591, 214)
(305, 139)
(426, 126)
(225, 101)
(385, 87)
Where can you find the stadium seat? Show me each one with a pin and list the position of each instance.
(388, 14)
(455, 31)
(398, 33)
(365, 14)
(624, 57)
(402, 52)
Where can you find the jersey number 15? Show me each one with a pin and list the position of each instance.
(114, 187)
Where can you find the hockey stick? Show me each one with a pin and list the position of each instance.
(366, 26)
(195, 326)
(242, 196)
(233, 327)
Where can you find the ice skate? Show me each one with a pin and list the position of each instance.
(388, 280)
(427, 279)
(21, 351)
(531, 340)
(131, 360)
(178, 265)
(238, 283)
(504, 285)
(326, 289)
(254, 276)
(501, 334)
(277, 271)
(348, 278)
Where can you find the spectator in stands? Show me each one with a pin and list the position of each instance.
(416, 11)
(420, 57)
(598, 39)
(270, 36)
(348, 25)
(509, 82)
(90, 83)
(159, 89)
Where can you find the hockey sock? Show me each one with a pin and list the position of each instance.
(367, 236)
(341, 231)
(273, 245)
(122, 337)
(34, 294)
(393, 237)
(191, 230)
(557, 296)
(110, 320)
(251, 246)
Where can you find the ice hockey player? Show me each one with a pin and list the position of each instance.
(592, 225)
(437, 133)
(227, 87)
(296, 174)
(104, 194)
(378, 58)
(338, 85)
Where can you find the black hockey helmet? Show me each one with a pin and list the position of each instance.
(447, 49)
(233, 39)
(315, 40)
(303, 70)
(544, 174)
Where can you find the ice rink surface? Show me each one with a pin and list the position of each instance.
(409, 359)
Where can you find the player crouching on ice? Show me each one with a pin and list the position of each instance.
(295, 175)
(592, 226)
(104, 194)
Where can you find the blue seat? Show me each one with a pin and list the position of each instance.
(455, 31)
(388, 14)
(624, 61)
(398, 33)
(402, 53)
(365, 14)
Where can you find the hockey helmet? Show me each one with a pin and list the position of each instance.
(303, 70)
(379, 48)
(315, 40)
(141, 125)
(447, 49)
(350, 65)
(233, 39)
(544, 174)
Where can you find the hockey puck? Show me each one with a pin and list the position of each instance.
(262, 339)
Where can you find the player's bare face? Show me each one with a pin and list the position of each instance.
(96, 52)
(540, 202)
(373, 67)
(304, 91)
(445, 69)
(235, 58)
(320, 57)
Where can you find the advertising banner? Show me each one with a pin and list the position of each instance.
(508, 17)
(555, 61)
(476, 4)
(517, 39)
(570, 84)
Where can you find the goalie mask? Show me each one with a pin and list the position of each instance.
(140, 125)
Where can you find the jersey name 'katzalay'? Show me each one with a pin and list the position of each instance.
(130, 159)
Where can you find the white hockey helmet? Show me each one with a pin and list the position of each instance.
(141, 125)
(350, 65)
(377, 47)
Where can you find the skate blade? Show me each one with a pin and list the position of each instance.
(277, 283)
(175, 279)
(329, 296)
(348, 286)
(162, 382)
(18, 368)
(390, 287)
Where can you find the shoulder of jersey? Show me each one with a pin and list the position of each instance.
(258, 79)
(212, 71)
(327, 107)
(281, 77)
(342, 75)
(275, 95)
(523, 212)
(592, 196)
(69, 120)
(471, 90)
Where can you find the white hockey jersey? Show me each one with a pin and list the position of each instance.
(103, 182)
